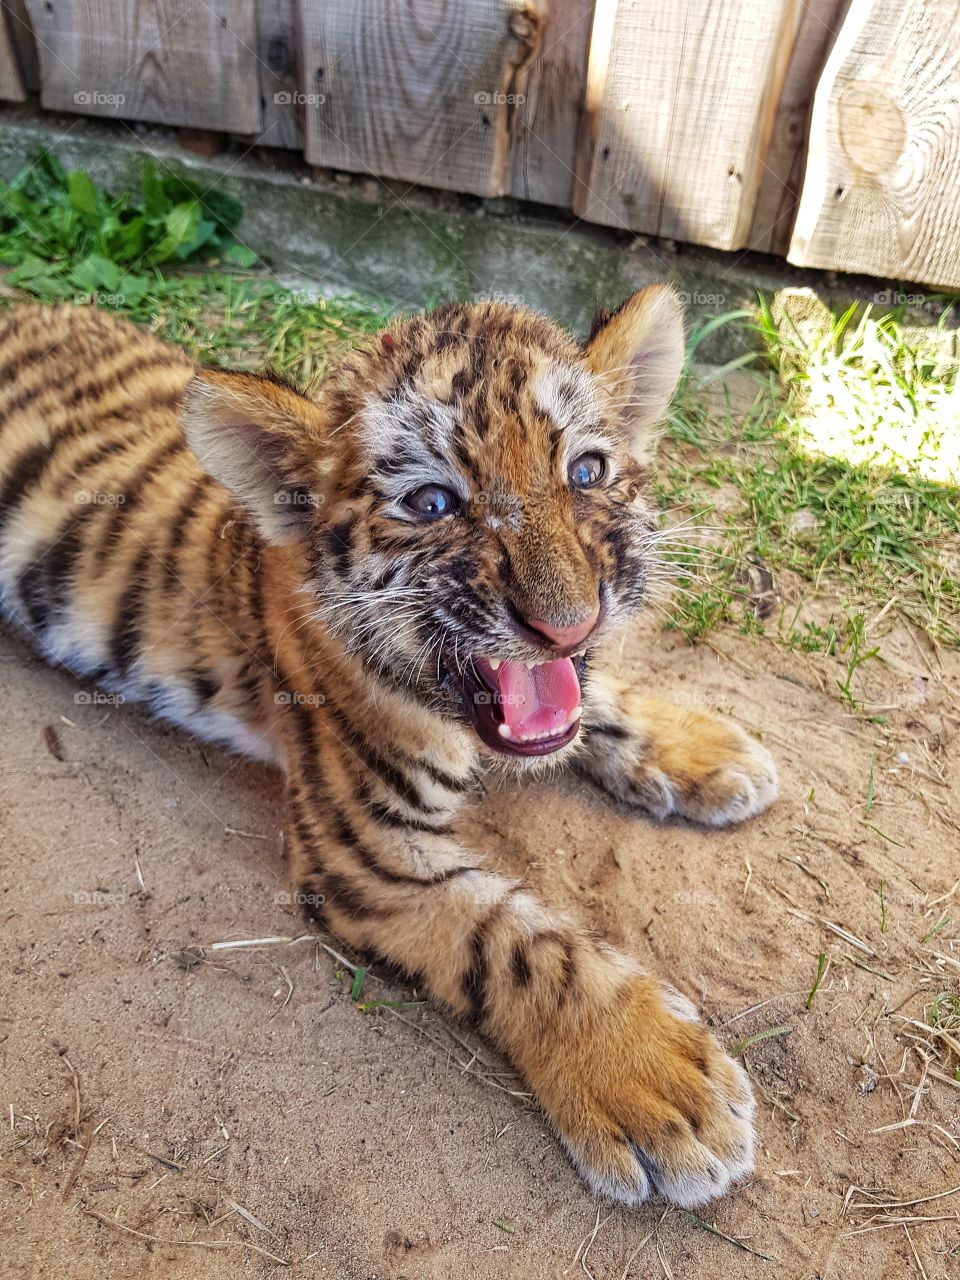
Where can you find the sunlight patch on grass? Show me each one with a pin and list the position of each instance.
(868, 390)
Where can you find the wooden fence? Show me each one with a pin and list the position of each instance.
(826, 131)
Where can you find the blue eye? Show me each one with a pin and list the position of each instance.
(586, 471)
(432, 502)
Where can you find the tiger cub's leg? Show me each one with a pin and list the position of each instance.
(666, 759)
(641, 1095)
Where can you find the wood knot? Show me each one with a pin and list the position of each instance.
(872, 129)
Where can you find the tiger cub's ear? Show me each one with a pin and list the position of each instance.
(637, 354)
(263, 441)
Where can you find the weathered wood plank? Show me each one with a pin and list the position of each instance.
(422, 91)
(679, 107)
(880, 189)
(172, 61)
(279, 74)
(785, 159)
(546, 123)
(11, 86)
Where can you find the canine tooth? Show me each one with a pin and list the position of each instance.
(506, 732)
(494, 664)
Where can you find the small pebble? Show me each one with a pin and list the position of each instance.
(902, 758)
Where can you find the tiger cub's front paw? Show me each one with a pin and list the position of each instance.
(723, 776)
(646, 1102)
(673, 760)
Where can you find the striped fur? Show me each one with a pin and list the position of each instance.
(245, 562)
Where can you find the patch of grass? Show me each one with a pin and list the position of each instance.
(64, 234)
(137, 254)
(872, 533)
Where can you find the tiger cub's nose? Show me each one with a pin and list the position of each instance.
(567, 637)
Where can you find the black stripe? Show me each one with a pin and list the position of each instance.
(388, 817)
(607, 730)
(21, 479)
(568, 970)
(337, 891)
(439, 776)
(343, 896)
(205, 686)
(60, 557)
(180, 523)
(125, 637)
(32, 464)
(338, 544)
(475, 975)
(15, 363)
(520, 965)
(131, 492)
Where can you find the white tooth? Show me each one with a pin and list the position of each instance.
(494, 664)
(506, 732)
(575, 714)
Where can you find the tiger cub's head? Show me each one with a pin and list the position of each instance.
(469, 491)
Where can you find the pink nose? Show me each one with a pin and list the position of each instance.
(567, 637)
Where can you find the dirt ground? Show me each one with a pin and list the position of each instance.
(175, 1110)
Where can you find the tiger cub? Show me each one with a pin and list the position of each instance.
(382, 591)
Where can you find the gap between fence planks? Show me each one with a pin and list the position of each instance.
(281, 97)
(880, 192)
(11, 85)
(546, 124)
(785, 158)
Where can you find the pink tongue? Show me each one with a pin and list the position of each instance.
(537, 700)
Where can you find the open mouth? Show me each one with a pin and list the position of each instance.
(523, 710)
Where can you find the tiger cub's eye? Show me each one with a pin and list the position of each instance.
(586, 471)
(432, 502)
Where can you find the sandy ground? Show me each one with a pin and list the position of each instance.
(172, 1110)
